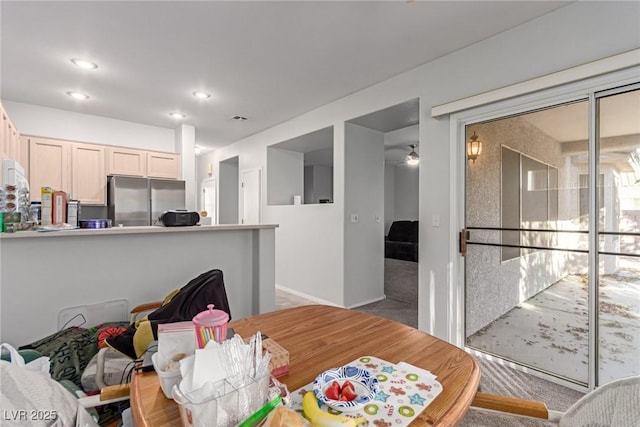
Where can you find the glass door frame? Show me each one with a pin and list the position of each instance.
(588, 89)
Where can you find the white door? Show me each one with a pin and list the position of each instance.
(250, 196)
(209, 203)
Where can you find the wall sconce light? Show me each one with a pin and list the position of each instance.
(474, 147)
(412, 158)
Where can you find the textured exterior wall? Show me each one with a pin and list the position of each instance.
(494, 287)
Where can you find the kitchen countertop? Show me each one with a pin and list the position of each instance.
(133, 230)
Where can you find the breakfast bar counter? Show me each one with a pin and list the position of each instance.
(43, 273)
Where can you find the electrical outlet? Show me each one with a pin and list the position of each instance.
(435, 220)
(354, 218)
(377, 218)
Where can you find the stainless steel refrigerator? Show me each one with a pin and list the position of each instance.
(140, 201)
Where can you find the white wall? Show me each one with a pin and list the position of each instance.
(285, 176)
(406, 192)
(389, 196)
(53, 123)
(318, 183)
(364, 197)
(309, 248)
(322, 183)
(229, 195)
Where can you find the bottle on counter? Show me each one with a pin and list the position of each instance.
(35, 212)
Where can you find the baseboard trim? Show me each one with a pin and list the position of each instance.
(307, 296)
(371, 301)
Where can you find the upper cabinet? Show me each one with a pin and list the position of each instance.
(126, 161)
(9, 137)
(75, 168)
(23, 154)
(88, 173)
(163, 165)
(81, 169)
(49, 165)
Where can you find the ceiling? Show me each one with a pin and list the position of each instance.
(268, 61)
(619, 115)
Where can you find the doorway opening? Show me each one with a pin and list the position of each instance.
(400, 127)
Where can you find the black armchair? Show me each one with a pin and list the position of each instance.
(402, 241)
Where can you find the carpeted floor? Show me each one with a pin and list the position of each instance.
(401, 290)
(401, 305)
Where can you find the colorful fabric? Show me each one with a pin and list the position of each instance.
(106, 332)
(69, 351)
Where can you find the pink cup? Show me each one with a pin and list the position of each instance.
(210, 325)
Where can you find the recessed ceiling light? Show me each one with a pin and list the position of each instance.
(77, 95)
(201, 95)
(83, 63)
(177, 115)
(239, 118)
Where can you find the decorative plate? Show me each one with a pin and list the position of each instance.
(365, 387)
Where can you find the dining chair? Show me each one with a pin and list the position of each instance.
(615, 404)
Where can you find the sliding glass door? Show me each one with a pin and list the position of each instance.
(544, 188)
(618, 289)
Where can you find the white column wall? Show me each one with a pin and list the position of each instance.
(312, 239)
(185, 145)
(364, 197)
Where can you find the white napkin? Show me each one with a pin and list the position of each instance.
(427, 375)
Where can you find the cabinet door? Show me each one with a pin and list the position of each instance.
(89, 179)
(23, 153)
(49, 165)
(125, 161)
(4, 134)
(163, 165)
(14, 142)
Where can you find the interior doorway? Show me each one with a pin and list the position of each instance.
(209, 200)
(251, 199)
(400, 127)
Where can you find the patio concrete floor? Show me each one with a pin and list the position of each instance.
(550, 330)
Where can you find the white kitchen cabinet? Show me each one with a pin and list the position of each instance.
(89, 178)
(163, 165)
(126, 161)
(49, 165)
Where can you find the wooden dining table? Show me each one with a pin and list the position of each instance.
(320, 337)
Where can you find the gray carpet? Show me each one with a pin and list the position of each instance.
(401, 290)
(401, 305)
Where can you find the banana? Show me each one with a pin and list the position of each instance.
(320, 418)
